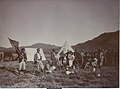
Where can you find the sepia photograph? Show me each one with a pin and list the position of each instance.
(59, 44)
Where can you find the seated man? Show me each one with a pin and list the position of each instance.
(48, 68)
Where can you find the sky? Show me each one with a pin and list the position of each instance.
(55, 21)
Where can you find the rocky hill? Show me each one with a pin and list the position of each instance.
(105, 40)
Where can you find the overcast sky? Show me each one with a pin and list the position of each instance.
(55, 21)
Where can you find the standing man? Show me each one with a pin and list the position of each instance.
(61, 59)
(22, 60)
(38, 60)
(102, 58)
(77, 61)
(71, 58)
(53, 58)
(83, 58)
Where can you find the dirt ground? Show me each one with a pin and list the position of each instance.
(58, 79)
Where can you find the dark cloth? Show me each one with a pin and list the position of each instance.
(53, 59)
(62, 56)
(52, 56)
(67, 62)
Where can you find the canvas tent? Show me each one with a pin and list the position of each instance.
(65, 48)
(31, 51)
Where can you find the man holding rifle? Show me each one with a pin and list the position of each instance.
(21, 55)
(22, 61)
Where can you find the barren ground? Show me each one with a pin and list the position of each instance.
(9, 77)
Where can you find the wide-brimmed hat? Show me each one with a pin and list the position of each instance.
(22, 49)
(53, 50)
(70, 52)
(38, 49)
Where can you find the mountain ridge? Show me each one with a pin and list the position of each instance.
(104, 40)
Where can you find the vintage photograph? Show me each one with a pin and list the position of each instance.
(59, 44)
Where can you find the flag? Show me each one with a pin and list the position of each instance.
(15, 45)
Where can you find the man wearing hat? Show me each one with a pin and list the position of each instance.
(22, 60)
(38, 60)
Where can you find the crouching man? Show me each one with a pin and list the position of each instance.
(96, 67)
(22, 60)
(38, 60)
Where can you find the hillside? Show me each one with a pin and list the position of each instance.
(105, 40)
(42, 45)
(2, 48)
(45, 47)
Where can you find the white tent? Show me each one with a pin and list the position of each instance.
(31, 51)
(65, 48)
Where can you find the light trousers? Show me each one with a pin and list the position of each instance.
(22, 65)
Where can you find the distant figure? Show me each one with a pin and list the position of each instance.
(83, 56)
(97, 63)
(77, 61)
(38, 60)
(88, 64)
(61, 58)
(1, 55)
(101, 58)
(96, 68)
(53, 58)
(22, 60)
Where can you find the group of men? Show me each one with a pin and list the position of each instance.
(52, 64)
(69, 60)
(84, 60)
(23, 58)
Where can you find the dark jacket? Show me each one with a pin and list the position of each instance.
(53, 56)
(23, 55)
